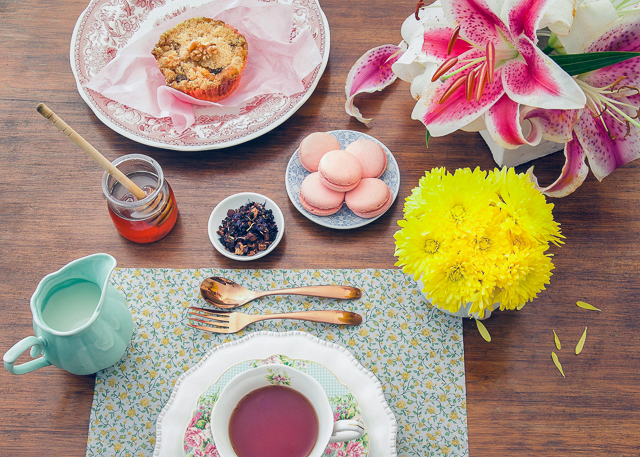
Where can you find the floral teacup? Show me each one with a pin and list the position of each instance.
(280, 375)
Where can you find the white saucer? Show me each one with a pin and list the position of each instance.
(376, 413)
(198, 438)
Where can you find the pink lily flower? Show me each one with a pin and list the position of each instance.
(607, 131)
(499, 68)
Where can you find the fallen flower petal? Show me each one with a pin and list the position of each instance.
(483, 331)
(581, 342)
(557, 363)
(557, 340)
(371, 73)
(584, 305)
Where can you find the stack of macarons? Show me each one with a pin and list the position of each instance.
(343, 176)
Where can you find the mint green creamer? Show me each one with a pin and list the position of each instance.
(82, 324)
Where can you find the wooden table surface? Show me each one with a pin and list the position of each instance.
(52, 211)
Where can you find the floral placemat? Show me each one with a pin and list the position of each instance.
(415, 350)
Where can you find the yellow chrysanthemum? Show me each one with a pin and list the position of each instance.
(477, 239)
(525, 274)
(453, 282)
(417, 247)
(526, 211)
(491, 245)
(416, 204)
(462, 203)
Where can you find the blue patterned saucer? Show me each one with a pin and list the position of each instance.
(343, 219)
(198, 441)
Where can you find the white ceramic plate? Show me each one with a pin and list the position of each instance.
(106, 26)
(343, 219)
(376, 413)
(234, 202)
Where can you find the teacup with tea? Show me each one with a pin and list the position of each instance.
(277, 411)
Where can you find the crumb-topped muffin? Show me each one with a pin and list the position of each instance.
(202, 57)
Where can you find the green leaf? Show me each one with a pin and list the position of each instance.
(427, 139)
(577, 64)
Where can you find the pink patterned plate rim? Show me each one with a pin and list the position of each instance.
(106, 26)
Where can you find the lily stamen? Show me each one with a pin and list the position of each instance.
(629, 87)
(491, 60)
(454, 87)
(481, 81)
(601, 100)
(469, 85)
(445, 67)
(452, 40)
(613, 86)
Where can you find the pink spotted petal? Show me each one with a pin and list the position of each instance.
(456, 112)
(436, 41)
(573, 173)
(557, 125)
(479, 20)
(534, 79)
(524, 16)
(622, 35)
(371, 72)
(503, 124)
(605, 154)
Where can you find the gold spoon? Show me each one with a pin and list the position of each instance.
(227, 294)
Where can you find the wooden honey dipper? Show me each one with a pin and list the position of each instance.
(106, 165)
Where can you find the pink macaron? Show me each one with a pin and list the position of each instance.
(313, 147)
(371, 198)
(317, 198)
(371, 156)
(340, 171)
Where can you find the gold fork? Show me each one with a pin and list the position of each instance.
(224, 322)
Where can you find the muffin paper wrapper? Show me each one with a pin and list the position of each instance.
(275, 64)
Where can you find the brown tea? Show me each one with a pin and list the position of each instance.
(273, 421)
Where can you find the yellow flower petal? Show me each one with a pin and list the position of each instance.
(581, 342)
(483, 331)
(557, 363)
(584, 305)
(557, 340)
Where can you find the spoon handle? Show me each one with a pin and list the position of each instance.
(340, 292)
(325, 316)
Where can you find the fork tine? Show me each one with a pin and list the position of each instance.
(212, 317)
(210, 329)
(210, 322)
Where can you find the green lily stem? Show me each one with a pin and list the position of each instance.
(548, 50)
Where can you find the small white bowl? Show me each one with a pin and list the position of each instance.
(234, 202)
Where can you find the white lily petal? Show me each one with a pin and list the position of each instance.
(420, 82)
(475, 125)
(411, 63)
(429, 16)
(559, 17)
(591, 18)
